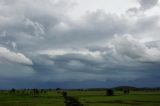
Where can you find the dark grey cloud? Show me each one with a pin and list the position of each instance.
(123, 58)
(39, 41)
(147, 4)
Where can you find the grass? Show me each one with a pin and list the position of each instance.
(88, 98)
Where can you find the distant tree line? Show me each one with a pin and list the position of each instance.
(31, 92)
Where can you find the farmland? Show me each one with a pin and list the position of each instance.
(87, 98)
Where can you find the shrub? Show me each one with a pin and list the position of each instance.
(126, 91)
(64, 94)
(109, 92)
(13, 90)
(71, 101)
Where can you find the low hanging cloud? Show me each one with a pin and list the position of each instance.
(120, 47)
(123, 55)
(144, 7)
(14, 57)
(133, 48)
(147, 4)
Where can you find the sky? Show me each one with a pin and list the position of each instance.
(79, 43)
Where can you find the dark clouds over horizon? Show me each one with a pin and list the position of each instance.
(41, 44)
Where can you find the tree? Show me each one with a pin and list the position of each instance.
(58, 90)
(126, 91)
(64, 94)
(13, 90)
(35, 92)
(109, 92)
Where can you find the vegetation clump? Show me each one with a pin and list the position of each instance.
(109, 92)
(126, 91)
(71, 101)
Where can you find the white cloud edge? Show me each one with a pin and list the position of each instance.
(14, 57)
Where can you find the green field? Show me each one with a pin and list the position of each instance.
(88, 98)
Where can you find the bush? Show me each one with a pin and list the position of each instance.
(109, 92)
(64, 94)
(13, 90)
(58, 90)
(71, 101)
(126, 91)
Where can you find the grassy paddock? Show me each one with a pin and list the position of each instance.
(88, 98)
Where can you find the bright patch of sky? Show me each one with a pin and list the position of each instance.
(108, 6)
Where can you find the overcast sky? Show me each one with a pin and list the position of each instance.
(79, 43)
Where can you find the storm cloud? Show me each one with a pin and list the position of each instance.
(41, 42)
(147, 4)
